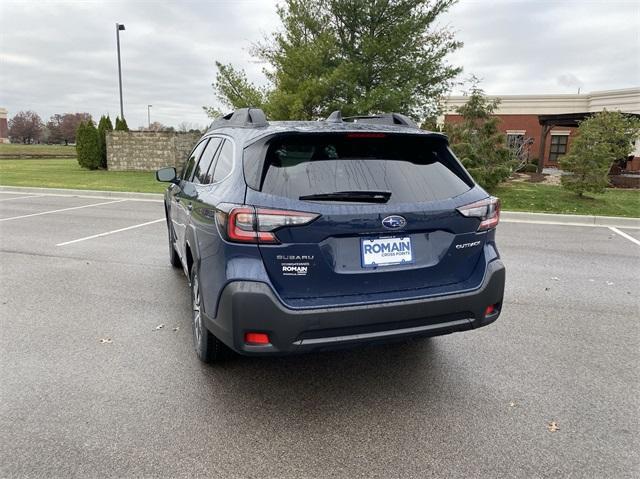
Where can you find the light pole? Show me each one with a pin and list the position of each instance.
(149, 115)
(119, 26)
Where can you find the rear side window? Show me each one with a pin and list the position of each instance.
(413, 168)
(203, 173)
(191, 162)
(225, 162)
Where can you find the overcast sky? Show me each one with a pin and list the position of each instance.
(60, 57)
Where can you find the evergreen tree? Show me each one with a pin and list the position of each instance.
(478, 142)
(602, 139)
(121, 124)
(88, 146)
(358, 56)
(104, 126)
(80, 143)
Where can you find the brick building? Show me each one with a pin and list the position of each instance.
(4, 128)
(550, 121)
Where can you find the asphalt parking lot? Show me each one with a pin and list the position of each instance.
(476, 404)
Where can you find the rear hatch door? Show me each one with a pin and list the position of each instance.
(387, 206)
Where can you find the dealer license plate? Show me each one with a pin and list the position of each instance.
(386, 251)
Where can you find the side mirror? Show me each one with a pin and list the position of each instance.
(167, 175)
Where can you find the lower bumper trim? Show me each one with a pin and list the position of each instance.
(381, 334)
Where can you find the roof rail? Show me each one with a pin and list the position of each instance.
(241, 118)
(381, 119)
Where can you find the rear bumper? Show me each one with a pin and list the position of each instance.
(252, 306)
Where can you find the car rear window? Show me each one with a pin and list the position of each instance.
(413, 168)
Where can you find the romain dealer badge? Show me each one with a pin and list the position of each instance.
(295, 265)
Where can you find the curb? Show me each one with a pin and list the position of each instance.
(83, 193)
(505, 216)
(572, 220)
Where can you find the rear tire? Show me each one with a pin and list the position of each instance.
(209, 349)
(174, 259)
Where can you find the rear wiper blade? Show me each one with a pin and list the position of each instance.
(357, 196)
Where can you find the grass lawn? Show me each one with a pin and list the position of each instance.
(534, 197)
(17, 149)
(515, 196)
(63, 173)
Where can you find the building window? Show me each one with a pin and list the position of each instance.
(558, 147)
(514, 141)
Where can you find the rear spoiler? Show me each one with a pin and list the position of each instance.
(397, 119)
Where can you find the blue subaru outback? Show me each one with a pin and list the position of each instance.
(303, 236)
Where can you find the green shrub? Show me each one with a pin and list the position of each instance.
(88, 146)
(529, 168)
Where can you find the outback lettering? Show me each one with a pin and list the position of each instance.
(467, 245)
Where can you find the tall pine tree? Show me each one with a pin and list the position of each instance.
(359, 56)
(104, 126)
(121, 124)
(80, 143)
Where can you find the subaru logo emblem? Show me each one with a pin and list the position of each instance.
(394, 222)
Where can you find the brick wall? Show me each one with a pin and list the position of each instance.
(532, 128)
(634, 164)
(4, 130)
(148, 150)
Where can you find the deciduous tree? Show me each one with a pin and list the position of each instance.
(187, 127)
(26, 127)
(157, 126)
(477, 141)
(602, 139)
(62, 127)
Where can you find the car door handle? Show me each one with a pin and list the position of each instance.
(189, 206)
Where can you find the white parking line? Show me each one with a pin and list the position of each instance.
(99, 235)
(624, 235)
(560, 223)
(99, 197)
(58, 211)
(21, 197)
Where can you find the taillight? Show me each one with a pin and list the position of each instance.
(246, 224)
(241, 225)
(487, 211)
